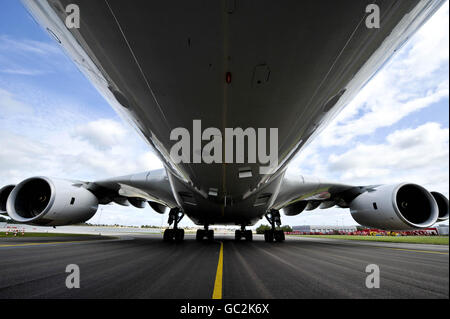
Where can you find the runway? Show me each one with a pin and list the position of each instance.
(143, 266)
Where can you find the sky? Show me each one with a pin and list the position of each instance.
(54, 123)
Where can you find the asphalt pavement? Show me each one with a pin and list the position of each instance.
(143, 266)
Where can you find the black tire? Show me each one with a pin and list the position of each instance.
(248, 235)
(210, 235)
(279, 236)
(200, 234)
(268, 236)
(168, 235)
(237, 235)
(179, 235)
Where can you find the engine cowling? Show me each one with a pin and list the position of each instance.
(443, 206)
(50, 202)
(395, 207)
(4, 194)
(295, 208)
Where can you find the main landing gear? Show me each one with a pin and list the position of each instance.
(175, 233)
(202, 233)
(273, 217)
(239, 233)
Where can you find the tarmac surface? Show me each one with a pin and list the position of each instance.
(143, 266)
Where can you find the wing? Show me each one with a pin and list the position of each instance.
(49, 201)
(399, 206)
(298, 193)
(137, 189)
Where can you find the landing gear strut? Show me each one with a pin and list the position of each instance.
(239, 233)
(175, 233)
(202, 233)
(273, 217)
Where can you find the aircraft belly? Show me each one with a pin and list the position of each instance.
(258, 64)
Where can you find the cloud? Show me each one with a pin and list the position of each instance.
(26, 57)
(421, 153)
(65, 155)
(21, 71)
(28, 46)
(61, 141)
(10, 104)
(383, 110)
(104, 133)
(416, 78)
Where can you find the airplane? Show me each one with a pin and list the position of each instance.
(251, 68)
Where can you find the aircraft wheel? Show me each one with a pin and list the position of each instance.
(168, 235)
(210, 235)
(179, 235)
(279, 236)
(248, 235)
(237, 235)
(200, 234)
(268, 236)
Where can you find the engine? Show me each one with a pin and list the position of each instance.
(50, 202)
(295, 208)
(443, 206)
(396, 207)
(4, 193)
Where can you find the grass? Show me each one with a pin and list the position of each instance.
(28, 234)
(435, 240)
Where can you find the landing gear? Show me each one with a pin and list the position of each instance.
(202, 233)
(273, 217)
(247, 234)
(175, 233)
(277, 235)
(268, 236)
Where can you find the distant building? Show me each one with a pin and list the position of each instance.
(323, 228)
(442, 229)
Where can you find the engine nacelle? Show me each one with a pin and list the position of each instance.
(4, 194)
(50, 202)
(395, 207)
(443, 206)
(295, 208)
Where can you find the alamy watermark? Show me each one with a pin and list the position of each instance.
(73, 279)
(73, 16)
(373, 279)
(216, 152)
(373, 17)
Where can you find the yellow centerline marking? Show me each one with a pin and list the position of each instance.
(217, 293)
(418, 251)
(49, 243)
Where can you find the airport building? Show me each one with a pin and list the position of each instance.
(323, 228)
(442, 230)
